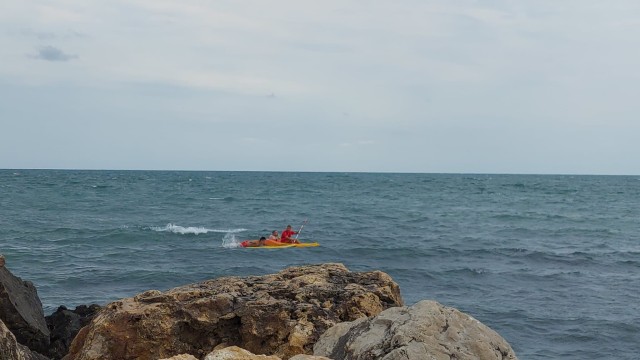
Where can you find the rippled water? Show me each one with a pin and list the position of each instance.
(550, 262)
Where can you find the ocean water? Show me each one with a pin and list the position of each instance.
(552, 263)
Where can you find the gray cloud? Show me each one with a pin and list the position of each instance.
(51, 53)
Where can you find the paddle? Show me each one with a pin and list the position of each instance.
(303, 224)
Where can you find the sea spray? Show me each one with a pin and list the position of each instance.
(230, 241)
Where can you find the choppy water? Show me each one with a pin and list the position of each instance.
(550, 262)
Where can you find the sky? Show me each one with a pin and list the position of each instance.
(456, 86)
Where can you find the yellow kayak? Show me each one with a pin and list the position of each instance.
(271, 244)
(308, 244)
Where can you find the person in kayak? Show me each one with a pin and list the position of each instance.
(256, 243)
(286, 236)
(274, 235)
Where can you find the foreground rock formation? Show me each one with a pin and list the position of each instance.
(426, 330)
(281, 314)
(317, 312)
(21, 311)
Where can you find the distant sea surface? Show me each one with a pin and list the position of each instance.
(552, 263)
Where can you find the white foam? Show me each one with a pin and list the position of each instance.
(182, 230)
(230, 241)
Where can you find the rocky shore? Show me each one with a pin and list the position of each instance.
(309, 312)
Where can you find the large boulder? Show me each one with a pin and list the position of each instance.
(426, 330)
(64, 325)
(21, 311)
(280, 314)
(10, 349)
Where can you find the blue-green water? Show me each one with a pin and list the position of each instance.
(550, 262)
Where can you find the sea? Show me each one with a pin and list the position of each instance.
(550, 262)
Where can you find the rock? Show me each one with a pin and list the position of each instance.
(21, 311)
(2, 261)
(10, 349)
(426, 330)
(181, 357)
(308, 357)
(236, 353)
(64, 325)
(280, 314)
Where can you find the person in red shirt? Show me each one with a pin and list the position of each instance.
(286, 236)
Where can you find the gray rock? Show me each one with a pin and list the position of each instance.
(308, 357)
(426, 330)
(21, 311)
(10, 349)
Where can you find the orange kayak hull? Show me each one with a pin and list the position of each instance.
(272, 244)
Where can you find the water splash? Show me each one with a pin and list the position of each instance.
(230, 241)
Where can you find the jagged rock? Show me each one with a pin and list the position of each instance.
(64, 325)
(426, 330)
(21, 311)
(2, 261)
(10, 349)
(280, 314)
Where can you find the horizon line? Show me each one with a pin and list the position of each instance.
(319, 172)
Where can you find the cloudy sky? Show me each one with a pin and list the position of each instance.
(465, 86)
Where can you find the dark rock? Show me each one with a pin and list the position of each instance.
(10, 349)
(64, 325)
(21, 311)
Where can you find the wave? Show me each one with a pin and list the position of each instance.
(467, 271)
(177, 229)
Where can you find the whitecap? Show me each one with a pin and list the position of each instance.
(196, 230)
